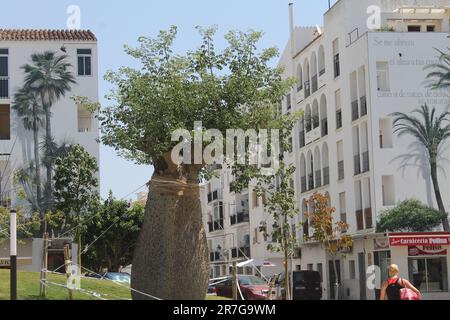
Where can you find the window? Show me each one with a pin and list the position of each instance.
(413, 28)
(383, 76)
(84, 62)
(288, 102)
(337, 97)
(429, 274)
(352, 269)
(343, 207)
(320, 270)
(340, 154)
(388, 190)
(5, 122)
(431, 28)
(4, 74)
(337, 68)
(386, 133)
(310, 267)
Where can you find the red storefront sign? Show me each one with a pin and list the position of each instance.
(419, 239)
(426, 251)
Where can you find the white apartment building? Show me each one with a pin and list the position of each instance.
(69, 123)
(351, 77)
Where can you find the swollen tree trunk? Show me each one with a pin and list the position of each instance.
(437, 192)
(48, 140)
(171, 256)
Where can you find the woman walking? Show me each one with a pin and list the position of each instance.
(391, 289)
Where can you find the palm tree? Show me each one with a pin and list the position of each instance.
(440, 77)
(49, 74)
(431, 130)
(28, 106)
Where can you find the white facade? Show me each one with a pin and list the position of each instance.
(69, 124)
(351, 78)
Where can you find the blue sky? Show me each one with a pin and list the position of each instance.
(116, 23)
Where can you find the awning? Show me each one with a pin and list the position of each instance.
(419, 239)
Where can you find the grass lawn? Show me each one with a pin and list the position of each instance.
(28, 288)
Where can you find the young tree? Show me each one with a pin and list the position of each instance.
(115, 247)
(76, 189)
(327, 232)
(410, 216)
(50, 76)
(223, 90)
(431, 131)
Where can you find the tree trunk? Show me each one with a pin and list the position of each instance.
(171, 256)
(336, 284)
(37, 164)
(437, 191)
(48, 140)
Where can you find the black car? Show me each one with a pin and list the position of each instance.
(306, 285)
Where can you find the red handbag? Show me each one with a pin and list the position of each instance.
(408, 294)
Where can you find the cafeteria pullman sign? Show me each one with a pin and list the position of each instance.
(417, 239)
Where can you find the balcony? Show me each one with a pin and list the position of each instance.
(338, 119)
(366, 164)
(357, 161)
(337, 66)
(368, 218)
(318, 178)
(322, 72)
(341, 170)
(326, 176)
(324, 127)
(315, 83)
(355, 111)
(313, 135)
(359, 220)
(303, 184)
(307, 89)
(363, 102)
(240, 217)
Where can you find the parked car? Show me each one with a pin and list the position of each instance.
(306, 285)
(212, 290)
(252, 288)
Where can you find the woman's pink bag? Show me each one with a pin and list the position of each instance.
(408, 294)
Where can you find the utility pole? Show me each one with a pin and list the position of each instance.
(43, 286)
(13, 254)
(235, 281)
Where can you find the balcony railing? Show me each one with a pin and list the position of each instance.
(359, 220)
(363, 101)
(365, 160)
(307, 89)
(324, 127)
(322, 72)
(4, 87)
(303, 184)
(315, 83)
(357, 160)
(341, 170)
(318, 178)
(355, 111)
(368, 218)
(326, 176)
(338, 119)
(337, 66)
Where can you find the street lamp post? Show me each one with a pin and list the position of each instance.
(13, 254)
